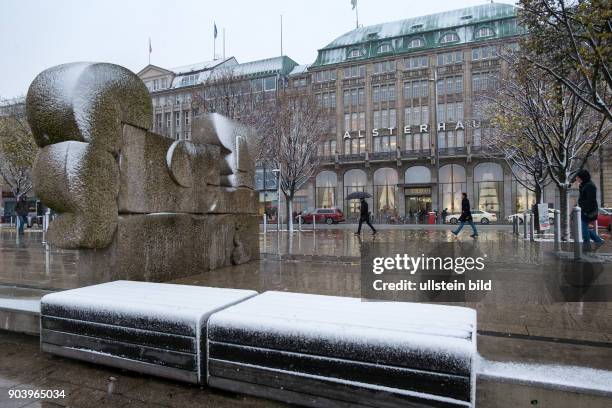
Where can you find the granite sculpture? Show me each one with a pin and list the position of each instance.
(136, 204)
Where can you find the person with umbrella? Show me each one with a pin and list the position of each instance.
(364, 213)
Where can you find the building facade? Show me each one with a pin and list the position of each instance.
(406, 97)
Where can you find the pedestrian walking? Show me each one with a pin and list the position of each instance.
(21, 210)
(364, 216)
(444, 214)
(587, 201)
(466, 216)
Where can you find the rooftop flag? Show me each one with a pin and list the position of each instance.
(354, 4)
(215, 30)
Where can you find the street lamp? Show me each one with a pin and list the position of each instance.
(278, 191)
(434, 135)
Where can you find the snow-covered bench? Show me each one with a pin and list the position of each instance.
(325, 351)
(152, 328)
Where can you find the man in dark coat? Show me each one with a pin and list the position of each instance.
(364, 216)
(22, 209)
(466, 216)
(587, 201)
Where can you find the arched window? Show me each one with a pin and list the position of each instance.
(523, 197)
(449, 38)
(484, 32)
(325, 194)
(417, 175)
(452, 184)
(416, 42)
(354, 180)
(385, 192)
(489, 187)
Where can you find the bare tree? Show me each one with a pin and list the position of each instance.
(544, 123)
(297, 125)
(17, 149)
(574, 35)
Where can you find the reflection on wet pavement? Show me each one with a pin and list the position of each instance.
(522, 313)
(24, 367)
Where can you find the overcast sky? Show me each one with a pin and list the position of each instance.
(37, 34)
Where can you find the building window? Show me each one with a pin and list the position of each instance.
(416, 62)
(449, 38)
(327, 99)
(416, 43)
(324, 76)
(186, 116)
(384, 66)
(416, 89)
(270, 84)
(485, 81)
(355, 52)
(485, 52)
(385, 192)
(452, 184)
(484, 32)
(356, 71)
(354, 180)
(384, 48)
(450, 58)
(383, 93)
(489, 187)
(384, 119)
(326, 184)
(177, 118)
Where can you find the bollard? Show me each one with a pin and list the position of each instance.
(532, 228)
(300, 222)
(525, 215)
(265, 224)
(557, 230)
(577, 229)
(314, 222)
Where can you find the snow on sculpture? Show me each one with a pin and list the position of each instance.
(132, 194)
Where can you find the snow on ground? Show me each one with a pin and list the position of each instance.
(569, 378)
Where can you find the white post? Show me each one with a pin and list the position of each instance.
(577, 227)
(265, 223)
(300, 222)
(531, 228)
(314, 220)
(525, 215)
(557, 230)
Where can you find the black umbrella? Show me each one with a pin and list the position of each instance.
(358, 195)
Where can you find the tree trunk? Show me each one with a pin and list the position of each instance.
(565, 214)
(538, 196)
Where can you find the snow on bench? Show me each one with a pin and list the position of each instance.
(152, 328)
(325, 351)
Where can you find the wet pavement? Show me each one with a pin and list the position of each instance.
(526, 325)
(24, 367)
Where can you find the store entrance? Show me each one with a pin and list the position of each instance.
(418, 202)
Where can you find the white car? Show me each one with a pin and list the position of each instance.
(482, 217)
(551, 216)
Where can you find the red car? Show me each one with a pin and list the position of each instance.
(603, 218)
(326, 215)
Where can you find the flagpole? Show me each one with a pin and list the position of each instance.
(149, 50)
(356, 16)
(281, 34)
(223, 43)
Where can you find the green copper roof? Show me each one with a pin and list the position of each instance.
(399, 34)
(270, 66)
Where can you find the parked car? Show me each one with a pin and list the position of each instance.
(326, 215)
(604, 218)
(482, 217)
(551, 216)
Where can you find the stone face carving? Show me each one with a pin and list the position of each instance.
(106, 174)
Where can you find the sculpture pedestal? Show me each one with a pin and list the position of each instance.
(163, 246)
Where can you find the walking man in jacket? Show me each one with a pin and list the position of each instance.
(466, 216)
(21, 210)
(587, 201)
(364, 216)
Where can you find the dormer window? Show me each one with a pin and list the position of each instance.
(468, 17)
(449, 38)
(416, 43)
(384, 48)
(355, 52)
(417, 26)
(484, 32)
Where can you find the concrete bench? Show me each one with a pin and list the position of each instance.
(325, 351)
(152, 328)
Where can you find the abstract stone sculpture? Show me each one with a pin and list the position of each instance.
(151, 207)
